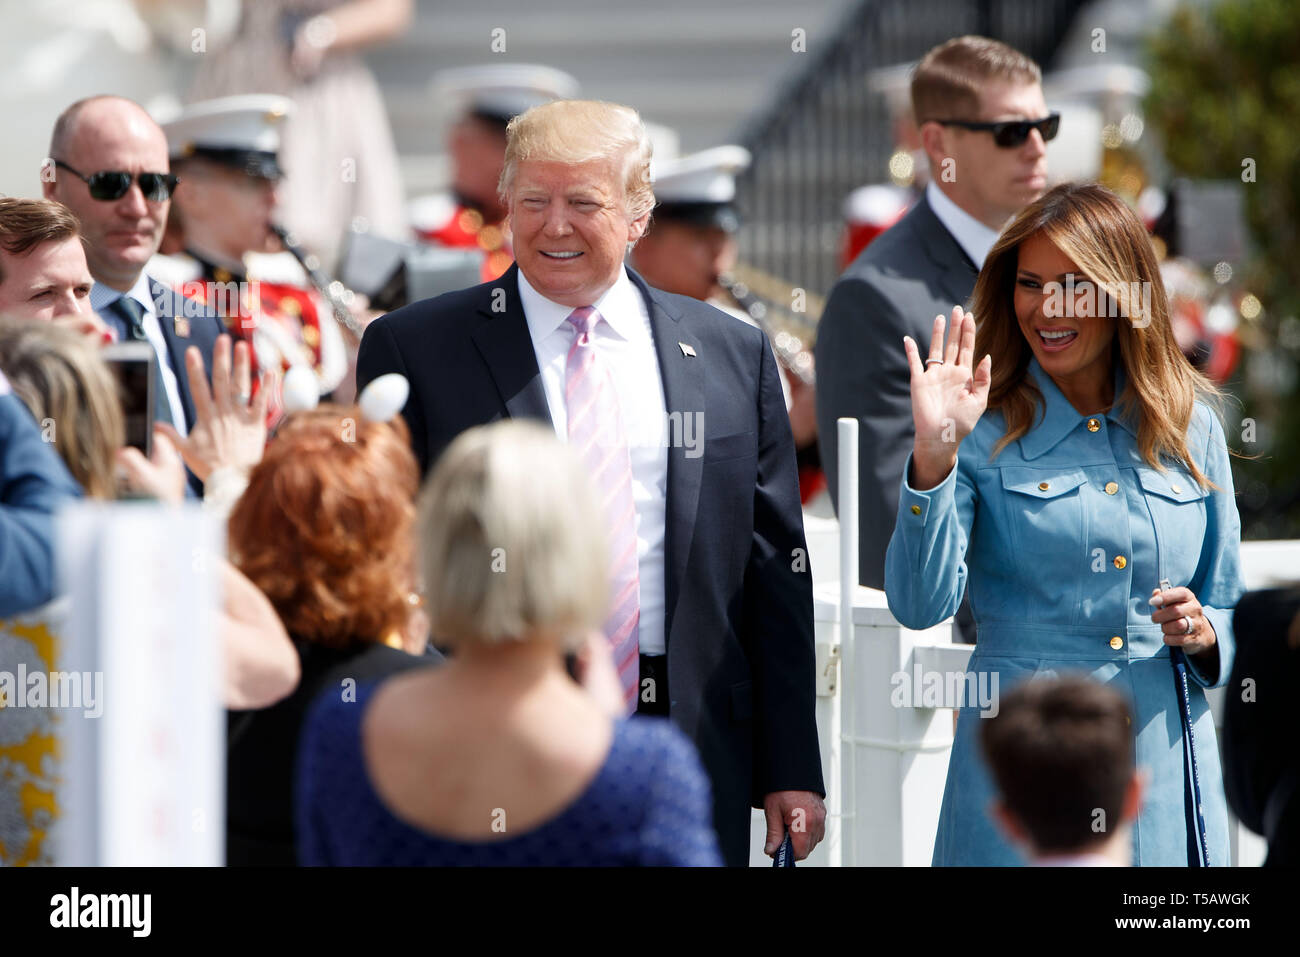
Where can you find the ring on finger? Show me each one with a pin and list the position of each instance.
(1187, 628)
(928, 361)
(245, 398)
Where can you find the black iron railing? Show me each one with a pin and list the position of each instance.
(827, 132)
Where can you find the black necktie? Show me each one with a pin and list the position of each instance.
(131, 313)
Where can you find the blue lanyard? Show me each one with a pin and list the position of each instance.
(1198, 848)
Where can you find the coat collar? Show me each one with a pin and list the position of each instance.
(507, 349)
(1055, 418)
(975, 238)
(683, 362)
(956, 273)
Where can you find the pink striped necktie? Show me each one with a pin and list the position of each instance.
(596, 434)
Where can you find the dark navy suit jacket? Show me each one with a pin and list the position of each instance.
(738, 596)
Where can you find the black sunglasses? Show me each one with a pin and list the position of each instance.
(1010, 133)
(108, 185)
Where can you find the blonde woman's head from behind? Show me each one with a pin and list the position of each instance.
(511, 541)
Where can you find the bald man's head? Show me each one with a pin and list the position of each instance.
(110, 133)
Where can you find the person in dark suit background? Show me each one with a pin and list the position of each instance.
(696, 462)
(925, 264)
(108, 163)
(1261, 773)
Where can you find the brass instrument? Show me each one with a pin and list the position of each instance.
(334, 292)
(776, 322)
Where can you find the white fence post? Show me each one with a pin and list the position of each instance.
(144, 782)
(846, 812)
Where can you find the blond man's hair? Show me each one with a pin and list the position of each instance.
(947, 82)
(580, 131)
(511, 544)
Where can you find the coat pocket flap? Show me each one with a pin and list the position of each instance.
(1175, 485)
(1041, 483)
(720, 448)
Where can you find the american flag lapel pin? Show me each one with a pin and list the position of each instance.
(687, 349)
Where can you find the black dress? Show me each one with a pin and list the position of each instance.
(262, 747)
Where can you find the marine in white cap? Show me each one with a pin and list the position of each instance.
(691, 242)
(220, 238)
(484, 99)
(691, 249)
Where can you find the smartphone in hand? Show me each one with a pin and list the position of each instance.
(133, 366)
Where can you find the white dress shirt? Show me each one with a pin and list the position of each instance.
(971, 235)
(626, 346)
(101, 297)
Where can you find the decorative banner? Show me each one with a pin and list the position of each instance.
(30, 761)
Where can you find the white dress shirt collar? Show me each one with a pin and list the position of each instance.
(620, 306)
(974, 237)
(102, 296)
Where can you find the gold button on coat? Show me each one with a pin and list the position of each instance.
(1093, 425)
(1120, 561)
(916, 510)
(1111, 488)
(1117, 642)
(1043, 485)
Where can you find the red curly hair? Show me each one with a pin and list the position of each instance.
(324, 528)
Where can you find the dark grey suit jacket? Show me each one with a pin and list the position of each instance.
(913, 272)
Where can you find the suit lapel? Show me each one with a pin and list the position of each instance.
(504, 343)
(169, 306)
(957, 273)
(683, 379)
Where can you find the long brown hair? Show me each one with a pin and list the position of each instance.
(1095, 228)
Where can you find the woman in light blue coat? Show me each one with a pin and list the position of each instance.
(1077, 481)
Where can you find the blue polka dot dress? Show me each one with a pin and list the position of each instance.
(648, 805)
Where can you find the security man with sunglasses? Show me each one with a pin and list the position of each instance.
(108, 163)
(979, 108)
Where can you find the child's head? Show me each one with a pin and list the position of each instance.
(1061, 754)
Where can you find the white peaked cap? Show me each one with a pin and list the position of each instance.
(248, 122)
(504, 90)
(705, 177)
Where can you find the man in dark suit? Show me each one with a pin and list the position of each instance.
(108, 163)
(677, 409)
(983, 171)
